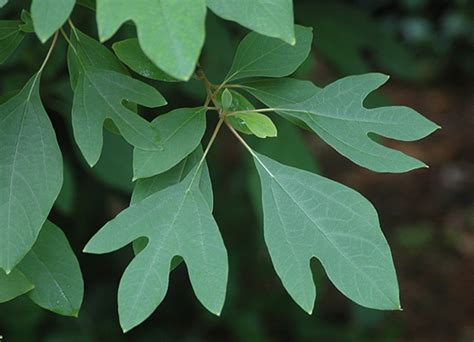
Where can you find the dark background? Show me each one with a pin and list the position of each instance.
(427, 215)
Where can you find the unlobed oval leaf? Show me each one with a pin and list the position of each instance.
(13, 285)
(306, 216)
(31, 172)
(171, 33)
(131, 54)
(55, 272)
(181, 131)
(270, 18)
(258, 124)
(260, 56)
(49, 15)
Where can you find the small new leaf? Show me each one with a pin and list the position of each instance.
(177, 222)
(226, 99)
(131, 54)
(181, 131)
(258, 124)
(270, 18)
(336, 113)
(261, 56)
(306, 216)
(171, 33)
(31, 172)
(49, 15)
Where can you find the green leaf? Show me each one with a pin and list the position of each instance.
(181, 131)
(99, 95)
(259, 56)
(258, 124)
(177, 222)
(10, 37)
(226, 99)
(27, 25)
(114, 168)
(54, 270)
(93, 54)
(269, 18)
(49, 15)
(306, 216)
(149, 186)
(131, 54)
(336, 113)
(171, 33)
(3, 3)
(31, 172)
(13, 285)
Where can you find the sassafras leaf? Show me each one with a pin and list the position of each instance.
(13, 285)
(270, 18)
(49, 15)
(261, 56)
(177, 222)
(306, 216)
(31, 172)
(181, 131)
(171, 33)
(54, 270)
(336, 113)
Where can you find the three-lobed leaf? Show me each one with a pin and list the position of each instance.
(99, 95)
(181, 131)
(336, 113)
(49, 15)
(177, 222)
(171, 33)
(261, 56)
(31, 172)
(306, 216)
(270, 18)
(148, 186)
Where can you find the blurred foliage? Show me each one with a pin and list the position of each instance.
(412, 40)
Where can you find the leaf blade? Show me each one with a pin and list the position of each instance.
(179, 26)
(32, 174)
(49, 15)
(270, 18)
(329, 221)
(260, 56)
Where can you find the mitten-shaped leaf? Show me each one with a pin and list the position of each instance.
(31, 172)
(49, 15)
(171, 33)
(306, 216)
(259, 56)
(99, 95)
(270, 18)
(336, 113)
(177, 222)
(180, 131)
(54, 270)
